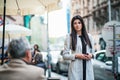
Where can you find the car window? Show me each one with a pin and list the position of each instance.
(101, 57)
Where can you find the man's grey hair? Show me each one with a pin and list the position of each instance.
(18, 47)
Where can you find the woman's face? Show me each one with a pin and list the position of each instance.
(77, 25)
(35, 47)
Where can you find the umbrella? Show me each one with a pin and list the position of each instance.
(15, 31)
(25, 7)
(51, 5)
(12, 31)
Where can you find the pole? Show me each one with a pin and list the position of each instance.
(3, 32)
(115, 59)
(68, 19)
(48, 49)
(109, 9)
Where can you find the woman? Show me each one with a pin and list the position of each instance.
(81, 46)
(36, 50)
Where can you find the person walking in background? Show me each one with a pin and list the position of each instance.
(81, 45)
(102, 44)
(19, 67)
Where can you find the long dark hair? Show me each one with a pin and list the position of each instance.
(74, 33)
(36, 48)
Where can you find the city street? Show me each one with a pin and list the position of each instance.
(53, 28)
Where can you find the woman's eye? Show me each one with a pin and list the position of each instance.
(79, 22)
(75, 23)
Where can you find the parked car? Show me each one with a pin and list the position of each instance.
(58, 64)
(102, 66)
(54, 55)
(62, 65)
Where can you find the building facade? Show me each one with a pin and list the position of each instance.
(95, 12)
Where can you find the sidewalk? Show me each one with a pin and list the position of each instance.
(55, 75)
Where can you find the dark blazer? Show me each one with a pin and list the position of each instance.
(19, 70)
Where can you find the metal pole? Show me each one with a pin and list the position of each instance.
(68, 19)
(48, 49)
(3, 32)
(115, 71)
(109, 9)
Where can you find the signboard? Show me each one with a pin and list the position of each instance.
(107, 33)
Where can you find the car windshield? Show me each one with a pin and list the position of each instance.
(102, 57)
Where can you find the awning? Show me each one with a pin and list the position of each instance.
(25, 7)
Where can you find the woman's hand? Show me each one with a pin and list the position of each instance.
(80, 56)
(88, 56)
(83, 56)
